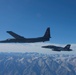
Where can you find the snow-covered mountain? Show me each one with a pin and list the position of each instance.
(37, 64)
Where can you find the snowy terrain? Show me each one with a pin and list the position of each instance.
(37, 64)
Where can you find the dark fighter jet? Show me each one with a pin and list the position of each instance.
(57, 48)
(20, 39)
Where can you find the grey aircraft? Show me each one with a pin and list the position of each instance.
(20, 39)
(57, 48)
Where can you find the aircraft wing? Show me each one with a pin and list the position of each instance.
(15, 35)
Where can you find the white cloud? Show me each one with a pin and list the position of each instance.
(33, 47)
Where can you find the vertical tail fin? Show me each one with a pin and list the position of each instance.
(47, 33)
(67, 46)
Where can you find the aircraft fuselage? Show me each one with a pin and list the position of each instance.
(29, 40)
(56, 48)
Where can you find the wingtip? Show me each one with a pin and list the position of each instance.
(8, 31)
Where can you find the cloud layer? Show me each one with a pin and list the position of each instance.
(33, 47)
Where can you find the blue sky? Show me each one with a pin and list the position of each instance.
(30, 18)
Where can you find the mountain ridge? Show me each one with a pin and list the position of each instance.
(37, 64)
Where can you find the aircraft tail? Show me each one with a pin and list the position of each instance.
(67, 46)
(47, 33)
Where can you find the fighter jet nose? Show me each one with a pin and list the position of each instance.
(43, 47)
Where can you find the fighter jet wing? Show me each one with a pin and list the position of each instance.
(15, 35)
